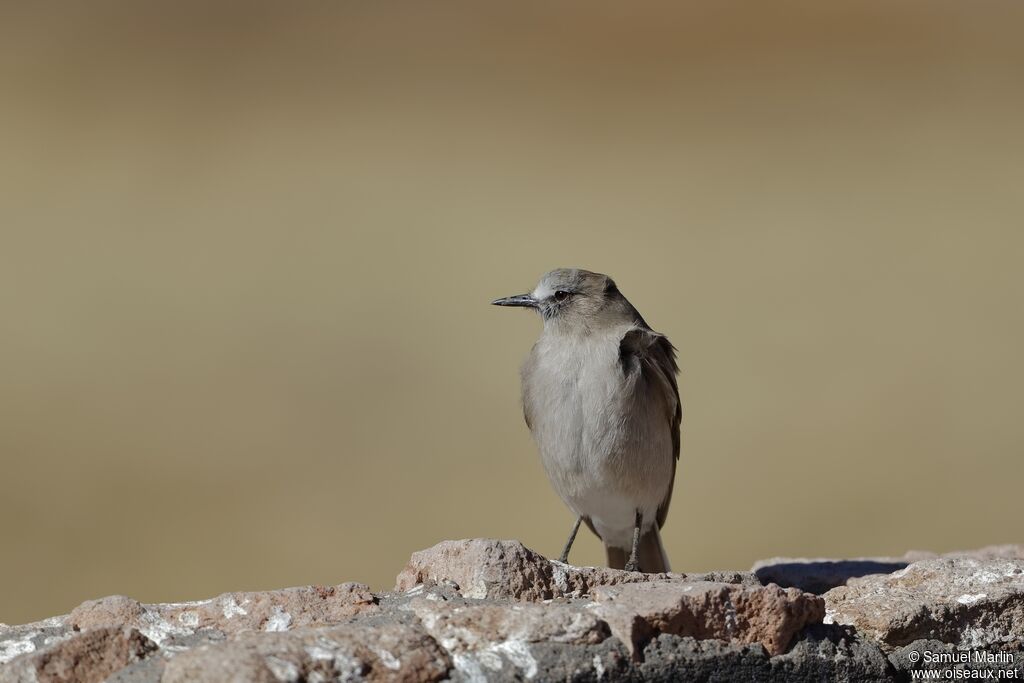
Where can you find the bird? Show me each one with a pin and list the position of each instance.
(601, 400)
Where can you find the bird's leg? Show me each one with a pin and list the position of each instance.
(633, 565)
(572, 538)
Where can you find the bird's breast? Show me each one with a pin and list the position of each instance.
(573, 394)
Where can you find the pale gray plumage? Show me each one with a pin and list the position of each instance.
(601, 401)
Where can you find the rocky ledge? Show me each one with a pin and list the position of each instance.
(480, 609)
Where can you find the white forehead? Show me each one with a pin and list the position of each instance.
(552, 282)
(543, 290)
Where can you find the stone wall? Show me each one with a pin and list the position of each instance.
(485, 610)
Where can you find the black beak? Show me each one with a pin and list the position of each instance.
(524, 300)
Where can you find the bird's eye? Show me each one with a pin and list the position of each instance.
(561, 295)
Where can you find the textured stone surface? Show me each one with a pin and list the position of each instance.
(831, 653)
(670, 658)
(276, 610)
(484, 568)
(820, 575)
(370, 652)
(768, 615)
(494, 610)
(85, 657)
(964, 601)
(484, 637)
(19, 640)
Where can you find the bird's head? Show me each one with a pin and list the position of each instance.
(573, 297)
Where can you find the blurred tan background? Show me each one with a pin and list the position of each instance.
(247, 253)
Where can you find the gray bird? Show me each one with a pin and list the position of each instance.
(601, 400)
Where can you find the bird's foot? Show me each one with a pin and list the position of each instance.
(632, 566)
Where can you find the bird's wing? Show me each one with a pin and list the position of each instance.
(655, 357)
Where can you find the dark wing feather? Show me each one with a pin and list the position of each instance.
(654, 354)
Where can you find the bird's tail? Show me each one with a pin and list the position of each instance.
(652, 555)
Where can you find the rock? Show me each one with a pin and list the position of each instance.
(113, 610)
(19, 640)
(820, 575)
(485, 638)
(821, 657)
(768, 615)
(149, 670)
(276, 610)
(384, 652)
(491, 569)
(672, 658)
(465, 624)
(964, 601)
(86, 657)
(494, 610)
(990, 552)
(829, 652)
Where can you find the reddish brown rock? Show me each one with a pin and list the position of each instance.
(276, 610)
(491, 569)
(281, 609)
(87, 657)
(386, 652)
(113, 610)
(764, 614)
